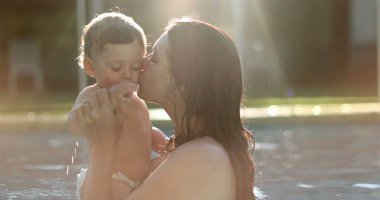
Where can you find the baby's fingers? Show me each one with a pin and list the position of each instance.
(85, 111)
(124, 88)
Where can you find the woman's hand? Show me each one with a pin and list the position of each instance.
(98, 121)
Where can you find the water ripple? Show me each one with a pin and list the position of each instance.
(367, 185)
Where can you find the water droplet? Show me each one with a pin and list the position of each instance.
(67, 170)
(260, 195)
(72, 159)
(75, 152)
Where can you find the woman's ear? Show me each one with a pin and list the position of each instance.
(88, 66)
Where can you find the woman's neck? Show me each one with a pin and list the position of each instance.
(176, 109)
(177, 116)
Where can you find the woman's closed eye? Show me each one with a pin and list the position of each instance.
(136, 66)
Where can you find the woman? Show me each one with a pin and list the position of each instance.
(194, 74)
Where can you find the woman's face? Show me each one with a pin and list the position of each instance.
(156, 81)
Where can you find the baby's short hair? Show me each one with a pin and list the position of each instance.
(110, 27)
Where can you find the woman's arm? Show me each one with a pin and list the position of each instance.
(98, 183)
(99, 124)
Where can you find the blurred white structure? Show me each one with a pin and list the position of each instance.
(81, 20)
(378, 49)
(95, 7)
(366, 33)
(25, 60)
(363, 22)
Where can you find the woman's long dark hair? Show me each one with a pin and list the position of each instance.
(205, 63)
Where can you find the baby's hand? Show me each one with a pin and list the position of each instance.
(120, 93)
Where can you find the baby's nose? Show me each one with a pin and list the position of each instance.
(127, 73)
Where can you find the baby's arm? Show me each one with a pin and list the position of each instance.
(72, 121)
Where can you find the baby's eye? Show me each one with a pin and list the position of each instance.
(115, 67)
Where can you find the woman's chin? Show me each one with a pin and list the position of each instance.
(142, 95)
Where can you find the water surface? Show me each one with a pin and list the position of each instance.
(293, 161)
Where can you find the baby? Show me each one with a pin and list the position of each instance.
(112, 52)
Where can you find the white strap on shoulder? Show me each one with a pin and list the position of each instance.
(123, 178)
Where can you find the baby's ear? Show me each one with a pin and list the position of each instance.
(88, 66)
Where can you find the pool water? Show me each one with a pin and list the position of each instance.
(319, 161)
(34, 165)
(294, 160)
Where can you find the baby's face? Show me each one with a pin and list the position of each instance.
(117, 63)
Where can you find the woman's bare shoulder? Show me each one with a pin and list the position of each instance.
(204, 149)
(199, 169)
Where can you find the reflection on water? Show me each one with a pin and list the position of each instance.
(367, 185)
(293, 161)
(302, 185)
(319, 160)
(35, 165)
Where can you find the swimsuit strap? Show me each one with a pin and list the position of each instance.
(123, 178)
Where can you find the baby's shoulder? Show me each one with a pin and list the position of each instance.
(85, 94)
(89, 90)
